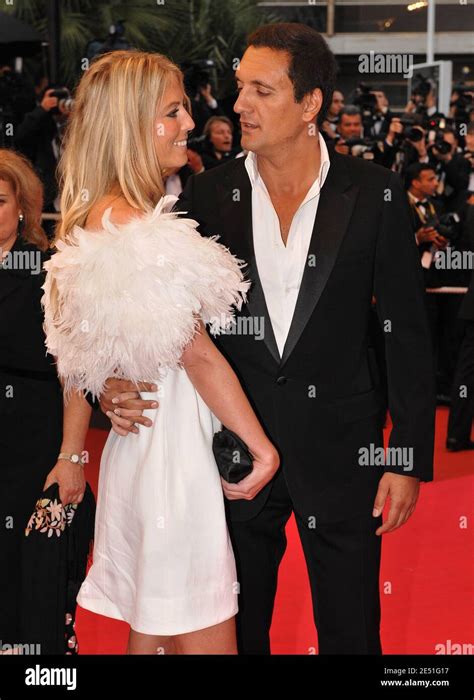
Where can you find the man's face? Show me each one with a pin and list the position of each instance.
(451, 139)
(350, 126)
(470, 142)
(270, 118)
(221, 136)
(426, 183)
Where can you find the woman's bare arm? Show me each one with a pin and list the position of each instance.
(217, 384)
(69, 476)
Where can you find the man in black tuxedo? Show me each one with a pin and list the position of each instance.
(320, 237)
(421, 182)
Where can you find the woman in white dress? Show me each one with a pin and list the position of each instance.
(128, 294)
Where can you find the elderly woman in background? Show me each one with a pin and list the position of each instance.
(31, 402)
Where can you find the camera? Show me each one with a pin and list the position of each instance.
(115, 41)
(442, 146)
(362, 148)
(65, 101)
(446, 225)
(412, 128)
(365, 99)
(421, 88)
(197, 74)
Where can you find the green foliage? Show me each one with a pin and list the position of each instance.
(184, 30)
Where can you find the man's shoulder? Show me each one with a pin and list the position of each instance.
(364, 171)
(232, 168)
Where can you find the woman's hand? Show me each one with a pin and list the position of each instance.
(264, 469)
(71, 480)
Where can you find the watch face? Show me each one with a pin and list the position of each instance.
(74, 458)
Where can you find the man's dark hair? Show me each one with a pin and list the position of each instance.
(450, 130)
(349, 111)
(414, 171)
(312, 63)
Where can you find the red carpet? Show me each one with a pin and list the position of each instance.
(427, 578)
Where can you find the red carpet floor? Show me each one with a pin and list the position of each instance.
(427, 577)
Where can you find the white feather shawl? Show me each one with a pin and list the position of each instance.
(131, 296)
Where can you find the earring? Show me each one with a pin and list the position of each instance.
(21, 224)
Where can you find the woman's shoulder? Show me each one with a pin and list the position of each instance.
(121, 212)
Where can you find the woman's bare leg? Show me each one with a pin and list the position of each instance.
(139, 643)
(218, 639)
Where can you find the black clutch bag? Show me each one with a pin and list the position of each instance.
(232, 456)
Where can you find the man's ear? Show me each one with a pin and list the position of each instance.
(312, 103)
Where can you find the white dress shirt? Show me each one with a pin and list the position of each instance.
(281, 267)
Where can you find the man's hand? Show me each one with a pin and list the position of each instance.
(122, 403)
(341, 147)
(420, 147)
(206, 92)
(195, 161)
(396, 127)
(443, 157)
(428, 234)
(49, 102)
(403, 492)
(326, 127)
(263, 471)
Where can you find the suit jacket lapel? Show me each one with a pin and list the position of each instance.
(336, 203)
(236, 215)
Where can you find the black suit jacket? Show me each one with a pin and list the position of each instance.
(466, 310)
(321, 403)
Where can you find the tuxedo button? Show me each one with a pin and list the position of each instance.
(281, 381)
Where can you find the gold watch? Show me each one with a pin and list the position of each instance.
(74, 458)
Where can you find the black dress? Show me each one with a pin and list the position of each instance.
(31, 411)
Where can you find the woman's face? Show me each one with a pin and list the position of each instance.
(172, 124)
(9, 212)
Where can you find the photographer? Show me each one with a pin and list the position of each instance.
(437, 234)
(451, 166)
(329, 125)
(461, 105)
(217, 148)
(423, 101)
(350, 140)
(204, 105)
(349, 127)
(376, 115)
(39, 138)
(413, 148)
(421, 183)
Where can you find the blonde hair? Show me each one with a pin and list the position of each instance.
(109, 141)
(28, 189)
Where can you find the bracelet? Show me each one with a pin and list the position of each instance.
(74, 458)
